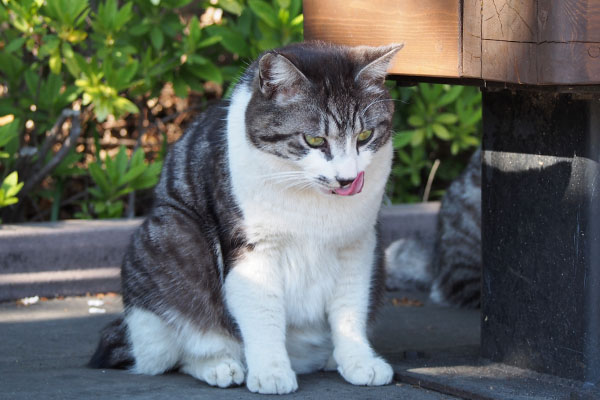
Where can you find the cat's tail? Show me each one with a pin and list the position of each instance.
(408, 264)
(114, 350)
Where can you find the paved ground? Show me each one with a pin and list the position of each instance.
(44, 348)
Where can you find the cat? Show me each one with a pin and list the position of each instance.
(260, 259)
(450, 266)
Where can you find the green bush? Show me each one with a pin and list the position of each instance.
(71, 69)
(432, 122)
(116, 177)
(106, 59)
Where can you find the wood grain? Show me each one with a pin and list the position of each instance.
(509, 62)
(569, 20)
(510, 20)
(569, 63)
(471, 39)
(543, 42)
(429, 29)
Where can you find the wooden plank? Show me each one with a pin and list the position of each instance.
(537, 42)
(429, 29)
(509, 36)
(509, 62)
(471, 39)
(565, 63)
(569, 20)
(510, 20)
(544, 42)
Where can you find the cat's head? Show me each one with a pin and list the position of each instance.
(322, 108)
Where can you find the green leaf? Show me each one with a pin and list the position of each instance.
(121, 161)
(454, 148)
(157, 38)
(283, 3)
(403, 138)
(231, 6)
(125, 105)
(208, 42)
(137, 158)
(132, 174)
(208, 72)
(297, 20)
(55, 63)
(233, 41)
(416, 121)
(140, 29)
(441, 131)
(10, 181)
(9, 132)
(99, 177)
(472, 119)
(15, 44)
(14, 189)
(446, 118)
(264, 11)
(180, 86)
(450, 95)
(417, 138)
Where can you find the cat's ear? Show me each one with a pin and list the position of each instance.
(278, 77)
(376, 61)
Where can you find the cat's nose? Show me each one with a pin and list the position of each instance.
(344, 181)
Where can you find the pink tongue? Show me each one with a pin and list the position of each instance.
(355, 188)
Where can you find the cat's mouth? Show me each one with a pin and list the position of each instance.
(354, 188)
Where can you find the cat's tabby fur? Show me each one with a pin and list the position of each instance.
(259, 259)
(450, 266)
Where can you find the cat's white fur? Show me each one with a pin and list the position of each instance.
(301, 296)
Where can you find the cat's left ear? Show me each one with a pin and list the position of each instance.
(278, 77)
(376, 61)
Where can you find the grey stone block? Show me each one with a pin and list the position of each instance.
(78, 257)
(62, 258)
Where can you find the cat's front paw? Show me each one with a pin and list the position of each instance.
(272, 380)
(367, 372)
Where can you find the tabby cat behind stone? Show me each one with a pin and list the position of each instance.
(450, 266)
(260, 258)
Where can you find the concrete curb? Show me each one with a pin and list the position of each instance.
(76, 257)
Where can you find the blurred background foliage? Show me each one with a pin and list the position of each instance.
(93, 91)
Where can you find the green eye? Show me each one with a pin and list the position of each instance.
(314, 141)
(364, 135)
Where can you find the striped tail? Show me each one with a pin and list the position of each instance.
(113, 351)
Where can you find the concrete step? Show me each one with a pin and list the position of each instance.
(75, 257)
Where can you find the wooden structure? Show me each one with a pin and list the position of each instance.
(536, 42)
(538, 64)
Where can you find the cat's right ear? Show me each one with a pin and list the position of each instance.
(279, 78)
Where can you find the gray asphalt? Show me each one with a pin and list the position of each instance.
(44, 348)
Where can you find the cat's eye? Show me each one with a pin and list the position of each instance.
(314, 141)
(364, 136)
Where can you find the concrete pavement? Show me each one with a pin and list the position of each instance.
(44, 348)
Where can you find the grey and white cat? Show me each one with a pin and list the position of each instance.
(450, 265)
(260, 259)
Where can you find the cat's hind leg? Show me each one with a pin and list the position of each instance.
(157, 346)
(152, 341)
(212, 356)
(219, 371)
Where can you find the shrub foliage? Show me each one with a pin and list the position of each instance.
(91, 91)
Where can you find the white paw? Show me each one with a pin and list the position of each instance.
(221, 372)
(225, 374)
(272, 380)
(370, 372)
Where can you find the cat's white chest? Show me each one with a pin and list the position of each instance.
(308, 271)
